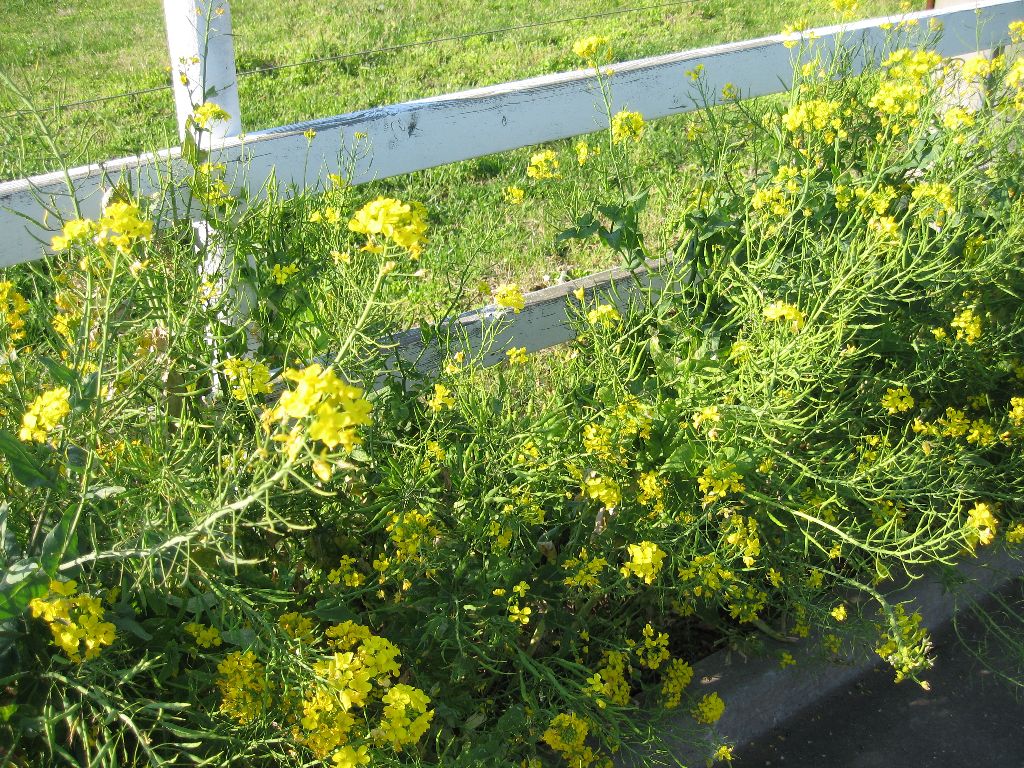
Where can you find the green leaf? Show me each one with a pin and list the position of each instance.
(59, 372)
(60, 541)
(128, 624)
(21, 583)
(25, 466)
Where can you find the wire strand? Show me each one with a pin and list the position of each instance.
(369, 52)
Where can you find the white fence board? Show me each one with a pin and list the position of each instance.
(543, 322)
(430, 132)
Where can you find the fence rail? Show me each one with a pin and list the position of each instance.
(425, 133)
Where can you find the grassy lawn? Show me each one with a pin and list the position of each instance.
(60, 52)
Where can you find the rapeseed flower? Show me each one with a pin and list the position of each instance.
(678, 675)
(205, 637)
(206, 113)
(510, 296)
(13, 309)
(645, 561)
(780, 310)
(627, 125)
(514, 195)
(982, 524)
(250, 378)
(709, 709)
(605, 316)
(441, 399)
(75, 620)
(44, 415)
(604, 489)
(389, 220)
(897, 400)
(517, 356)
(543, 165)
(594, 48)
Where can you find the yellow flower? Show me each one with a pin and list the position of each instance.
(514, 195)
(786, 660)
(74, 231)
(403, 224)
(604, 489)
(968, 326)
(543, 165)
(604, 315)
(441, 398)
(645, 561)
(243, 685)
(593, 49)
(791, 31)
(351, 757)
(44, 415)
(627, 125)
(519, 615)
(517, 356)
(1015, 535)
(584, 151)
(982, 524)
(454, 363)
(510, 296)
(839, 613)
(13, 309)
(678, 675)
(709, 709)
(283, 273)
(250, 378)
(207, 112)
(205, 637)
(724, 752)
(897, 400)
(780, 310)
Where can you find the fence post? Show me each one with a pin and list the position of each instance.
(958, 92)
(202, 51)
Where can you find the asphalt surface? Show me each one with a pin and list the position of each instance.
(969, 718)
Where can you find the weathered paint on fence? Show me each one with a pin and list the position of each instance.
(430, 132)
(485, 335)
(202, 51)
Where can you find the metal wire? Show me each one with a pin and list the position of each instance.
(370, 52)
(467, 36)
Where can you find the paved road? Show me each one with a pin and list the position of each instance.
(969, 718)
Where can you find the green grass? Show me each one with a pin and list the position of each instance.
(61, 52)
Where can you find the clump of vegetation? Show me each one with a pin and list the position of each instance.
(231, 533)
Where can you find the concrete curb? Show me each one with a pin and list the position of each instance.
(760, 696)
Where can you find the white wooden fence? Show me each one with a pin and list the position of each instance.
(436, 131)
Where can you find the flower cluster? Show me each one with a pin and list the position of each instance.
(905, 644)
(121, 226)
(13, 309)
(44, 415)
(336, 409)
(678, 675)
(593, 49)
(389, 220)
(543, 165)
(709, 709)
(206, 113)
(780, 310)
(645, 561)
(567, 735)
(510, 296)
(627, 125)
(249, 378)
(75, 621)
